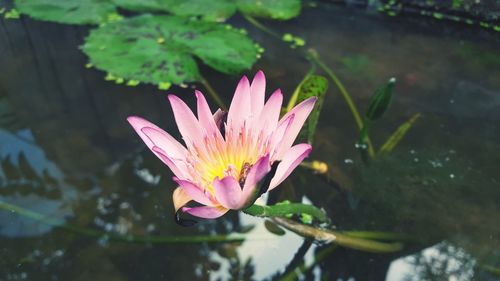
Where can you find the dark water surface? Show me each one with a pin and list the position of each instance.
(68, 154)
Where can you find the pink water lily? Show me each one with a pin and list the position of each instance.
(224, 160)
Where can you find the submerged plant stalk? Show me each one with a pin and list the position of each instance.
(213, 94)
(340, 238)
(347, 98)
(121, 238)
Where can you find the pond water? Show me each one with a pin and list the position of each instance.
(69, 156)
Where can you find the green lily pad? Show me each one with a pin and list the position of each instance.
(273, 9)
(67, 11)
(211, 10)
(162, 49)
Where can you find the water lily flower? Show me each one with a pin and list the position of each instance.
(226, 156)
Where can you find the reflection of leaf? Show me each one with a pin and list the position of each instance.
(398, 135)
(207, 9)
(67, 11)
(356, 64)
(156, 49)
(312, 86)
(274, 9)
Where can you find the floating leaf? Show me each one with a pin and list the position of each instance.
(211, 10)
(398, 135)
(131, 48)
(273, 9)
(67, 11)
(141, 6)
(312, 86)
(380, 100)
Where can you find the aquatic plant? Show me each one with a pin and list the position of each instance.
(225, 164)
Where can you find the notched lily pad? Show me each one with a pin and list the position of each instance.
(67, 11)
(273, 9)
(161, 49)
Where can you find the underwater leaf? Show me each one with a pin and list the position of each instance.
(67, 11)
(313, 85)
(273, 9)
(380, 100)
(398, 135)
(211, 10)
(161, 49)
(274, 228)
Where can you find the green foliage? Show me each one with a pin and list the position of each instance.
(161, 49)
(67, 11)
(316, 86)
(380, 100)
(398, 135)
(378, 106)
(273, 9)
(211, 10)
(99, 11)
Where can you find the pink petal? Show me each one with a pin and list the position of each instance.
(301, 112)
(228, 192)
(205, 116)
(258, 171)
(278, 135)
(138, 124)
(180, 198)
(268, 119)
(258, 92)
(195, 192)
(240, 105)
(290, 161)
(188, 125)
(178, 168)
(205, 211)
(166, 142)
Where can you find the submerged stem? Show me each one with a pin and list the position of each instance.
(347, 97)
(213, 94)
(262, 27)
(340, 238)
(122, 238)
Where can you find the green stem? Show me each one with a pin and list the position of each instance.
(213, 94)
(122, 238)
(281, 210)
(262, 27)
(347, 98)
(379, 235)
(340, 238)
